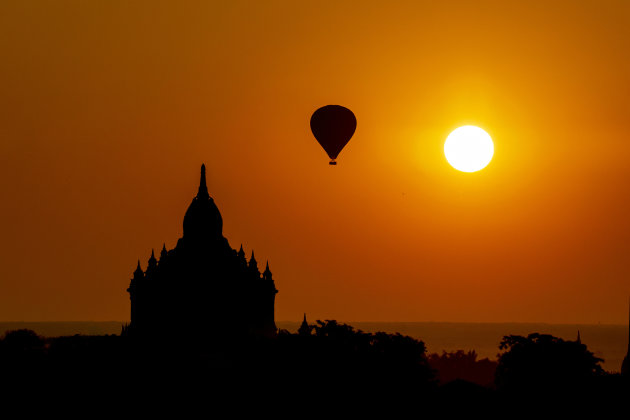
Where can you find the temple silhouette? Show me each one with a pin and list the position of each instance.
(202, 287)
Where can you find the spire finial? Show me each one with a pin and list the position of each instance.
(267, 272)
(203, 188)
(579, 340)
(138, 267)
(304, 316)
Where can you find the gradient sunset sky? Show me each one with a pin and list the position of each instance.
(108, 109)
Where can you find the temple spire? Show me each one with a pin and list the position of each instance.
(579, 340)
(304, 329)
(203, 188)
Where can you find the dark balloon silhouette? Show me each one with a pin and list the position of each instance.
(333, 127)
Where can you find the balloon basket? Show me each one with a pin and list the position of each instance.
(332, 162)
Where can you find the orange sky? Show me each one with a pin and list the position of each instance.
(108, 108)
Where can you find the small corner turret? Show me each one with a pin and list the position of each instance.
(267, 273)
(163, 253)
(138, 274)
(253, 265)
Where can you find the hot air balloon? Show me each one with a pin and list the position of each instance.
(333, 127)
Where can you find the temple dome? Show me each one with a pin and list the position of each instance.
(203, 219)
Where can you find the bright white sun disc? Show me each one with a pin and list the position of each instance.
(468, 149)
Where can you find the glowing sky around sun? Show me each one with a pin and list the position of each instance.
(109, 108)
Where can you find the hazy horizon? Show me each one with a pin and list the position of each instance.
(347, 322)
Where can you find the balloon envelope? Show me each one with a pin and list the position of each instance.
(333, 127)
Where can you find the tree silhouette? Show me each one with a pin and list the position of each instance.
(463, 365)
(542, 362)
(22, 342)
(22, 356)
(375, 357)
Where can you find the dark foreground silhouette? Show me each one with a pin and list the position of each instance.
(203, 323)
(460, 365)
(325, 364)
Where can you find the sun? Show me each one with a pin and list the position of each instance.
(468, 149)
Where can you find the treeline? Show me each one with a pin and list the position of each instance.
(328, 356)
